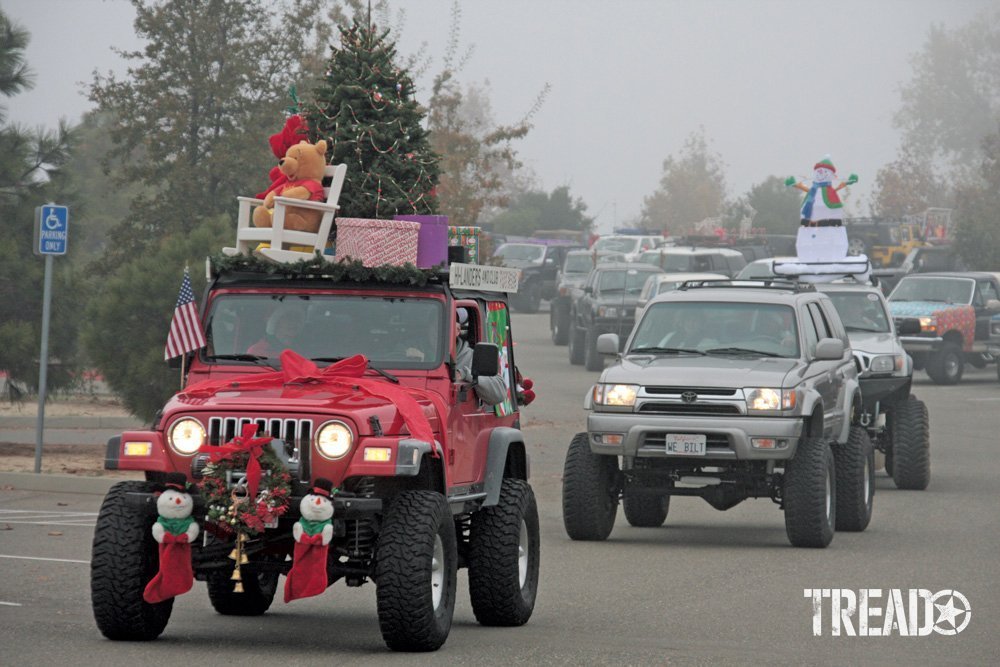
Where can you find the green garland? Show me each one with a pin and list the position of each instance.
(339, 271)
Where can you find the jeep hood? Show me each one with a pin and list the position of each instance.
(319, 403)
(696, 371)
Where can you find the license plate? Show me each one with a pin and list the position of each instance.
(685, 444)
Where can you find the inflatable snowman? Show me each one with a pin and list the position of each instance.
(821, 245)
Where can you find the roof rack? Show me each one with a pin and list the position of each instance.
(750, 283)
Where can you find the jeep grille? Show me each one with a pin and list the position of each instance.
(295, 432)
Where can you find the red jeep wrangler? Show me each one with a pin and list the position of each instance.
(408, 511)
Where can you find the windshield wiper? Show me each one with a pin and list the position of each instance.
(237, 357)
(388, 376)
(665, 350)
(741, 350)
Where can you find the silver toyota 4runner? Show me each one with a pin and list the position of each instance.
(897, 422)
(726, 390)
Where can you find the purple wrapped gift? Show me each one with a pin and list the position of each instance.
(432, 239)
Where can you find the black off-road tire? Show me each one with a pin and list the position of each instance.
(592, 360)
(645, 511)
(855, 463)
(577, 340)
(559, 324)
(946, 365)
(911, 445)
(404, 572)
(889, 464)
(258, 592)
(590, 496)
(504, 557)
(810, 495)
(124, 558)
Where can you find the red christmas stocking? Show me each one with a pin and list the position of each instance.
(308, 574)
(175, 576)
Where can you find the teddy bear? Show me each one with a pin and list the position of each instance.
(292, 133)
(303, 166)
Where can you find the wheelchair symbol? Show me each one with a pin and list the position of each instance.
(52, 221)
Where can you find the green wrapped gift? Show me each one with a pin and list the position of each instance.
(469, 238)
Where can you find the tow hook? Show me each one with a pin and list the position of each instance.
(866, 419)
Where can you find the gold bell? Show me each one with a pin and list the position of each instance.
(234, 554)
(243, 559)
(236, 575)
(238, 588)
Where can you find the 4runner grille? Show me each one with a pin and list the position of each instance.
(701, 391)
(690, 409)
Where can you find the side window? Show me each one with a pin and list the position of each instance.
(809, 326)
(701, 263)
(836, 326)
(822, 328)
(987, 291)
(497, 331)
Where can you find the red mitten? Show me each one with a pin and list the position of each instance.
(308, 574)
(176, 575)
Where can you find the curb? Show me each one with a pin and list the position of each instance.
(120, 423)
(28, 481)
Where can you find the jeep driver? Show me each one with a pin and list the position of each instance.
(763, 402)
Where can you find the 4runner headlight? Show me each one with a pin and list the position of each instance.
(928, 325)
(186, 436)
(617, 395)
(765, 398)
(886, 363)
(334, 439)
(607, 311)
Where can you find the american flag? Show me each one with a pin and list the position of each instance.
(185, 330)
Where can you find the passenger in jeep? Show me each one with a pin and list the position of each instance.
(490, 389)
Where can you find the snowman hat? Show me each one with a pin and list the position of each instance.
(176, 481)
(825, 163)
(322, 487)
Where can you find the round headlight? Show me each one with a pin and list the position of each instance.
(334, 439)
(186, 436)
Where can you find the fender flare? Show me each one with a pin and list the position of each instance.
(501, 438)
(853, 389)
(810, 400)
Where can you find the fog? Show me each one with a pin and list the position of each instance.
(776, 85)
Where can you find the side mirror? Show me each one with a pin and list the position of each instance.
(607, 343)
(908, 326)
(485, 360)
(829, 349)
(993, 305)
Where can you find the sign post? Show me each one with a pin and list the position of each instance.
(51, 236)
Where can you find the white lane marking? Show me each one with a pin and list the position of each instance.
(54, 560)
(10, 604)
(983, 400)
(48, 518)
(46, 513)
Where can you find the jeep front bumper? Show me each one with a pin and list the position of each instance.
(726, 439)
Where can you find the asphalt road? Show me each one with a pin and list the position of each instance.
(708, 588)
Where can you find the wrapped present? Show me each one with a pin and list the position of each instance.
(432, 240)
(467, 237)
(377, 242)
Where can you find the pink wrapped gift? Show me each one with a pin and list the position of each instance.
(377, 242)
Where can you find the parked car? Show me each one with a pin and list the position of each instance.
(694, 259)
(605, 304)
(539, 263)
(664, 282)
(762, 268)
(577, 265)
(950, 314)
(628, 245)
(726, 392)
(897, 421)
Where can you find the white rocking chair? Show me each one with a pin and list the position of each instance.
(248, 237)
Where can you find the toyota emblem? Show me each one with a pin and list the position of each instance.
(689, 397)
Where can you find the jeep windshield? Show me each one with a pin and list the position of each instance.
(936, 289)
(392, 332)
(723, 329)
(860, 311)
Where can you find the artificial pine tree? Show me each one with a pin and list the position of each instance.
(366, 112)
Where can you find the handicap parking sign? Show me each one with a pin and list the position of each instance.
(51, 229)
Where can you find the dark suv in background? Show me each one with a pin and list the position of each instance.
(569, 282)
(606, 304)
(539, 264)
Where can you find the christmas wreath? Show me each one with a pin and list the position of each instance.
(260, 498)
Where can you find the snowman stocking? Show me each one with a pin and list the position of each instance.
(175, 576)
(308, 574)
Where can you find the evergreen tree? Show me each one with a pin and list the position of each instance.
(365, 110)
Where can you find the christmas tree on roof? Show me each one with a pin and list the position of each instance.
(364, 109)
